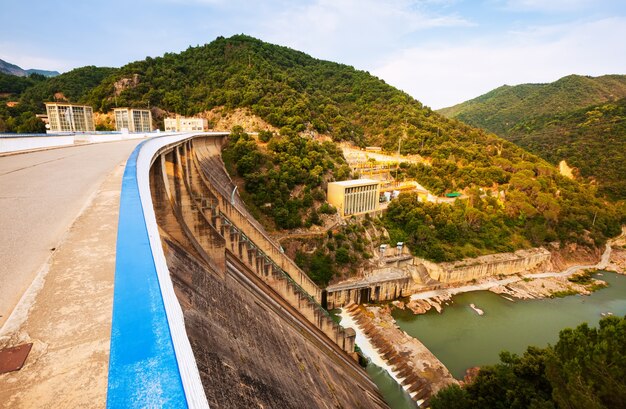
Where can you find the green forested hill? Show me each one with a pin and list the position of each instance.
(577, 119)
(501, 109)
(592, 139)
(524, 201)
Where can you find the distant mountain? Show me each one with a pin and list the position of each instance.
(577, 119)
(12, 69)
(45, 73)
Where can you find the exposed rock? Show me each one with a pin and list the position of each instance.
(421, 306)
(470, 375)
(546, 287)
(618, 260)
(125, 83)
(420, 372)
(565, 170)
(572, 254)
(222, 119)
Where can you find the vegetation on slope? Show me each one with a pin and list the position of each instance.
(577, 119)
(591, 139)
(585, 369)
(501, 109)
(283, 181)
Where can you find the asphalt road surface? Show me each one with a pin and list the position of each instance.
(41, 193)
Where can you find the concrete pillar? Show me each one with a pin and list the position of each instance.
(349, 337)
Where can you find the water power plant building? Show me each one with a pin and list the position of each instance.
(354, 197)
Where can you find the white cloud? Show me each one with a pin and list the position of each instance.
(444, 74)
(549, 5)
(350, 30)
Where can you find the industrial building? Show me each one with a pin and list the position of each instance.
(133, 120)
(65, 117)
(354, 197)
(185, 124)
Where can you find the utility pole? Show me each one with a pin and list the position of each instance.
(399, 140)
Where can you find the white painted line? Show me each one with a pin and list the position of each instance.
(190, 376)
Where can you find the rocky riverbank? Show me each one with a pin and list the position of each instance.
(546, 287)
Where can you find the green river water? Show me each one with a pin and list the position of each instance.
(461, 338)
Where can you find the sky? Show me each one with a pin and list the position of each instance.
(442, 52)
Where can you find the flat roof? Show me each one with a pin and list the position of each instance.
(67, 104)
(355, 182)
(131, 109)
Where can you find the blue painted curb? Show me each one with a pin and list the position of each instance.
(143, 370)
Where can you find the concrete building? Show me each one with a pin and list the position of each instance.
(185, 124)
(64, 117)
(354, 197)
(134, 120)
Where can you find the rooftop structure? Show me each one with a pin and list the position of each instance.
(354, 197)
(65, 117)
(133, 120)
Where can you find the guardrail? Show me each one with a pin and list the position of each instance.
(151, 362)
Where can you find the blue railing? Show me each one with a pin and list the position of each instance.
(143, 370)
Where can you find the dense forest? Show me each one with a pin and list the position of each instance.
(593, 140)
(585, 369)
(515, 200)
(283, 181)
(577, 119)
(502, 108)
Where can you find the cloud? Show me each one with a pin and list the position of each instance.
(443, 74)
(549, 5)
(352, 31)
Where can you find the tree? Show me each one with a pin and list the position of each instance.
(585, 369)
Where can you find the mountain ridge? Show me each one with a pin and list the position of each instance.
(502, 107)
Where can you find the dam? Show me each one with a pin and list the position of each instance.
(242, 325)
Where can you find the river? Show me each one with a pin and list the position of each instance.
(461, 338)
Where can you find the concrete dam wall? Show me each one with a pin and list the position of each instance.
(253, 319)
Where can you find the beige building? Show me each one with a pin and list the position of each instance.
(64, 117)
(353, 197)
(135, 120)
(185, 124)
